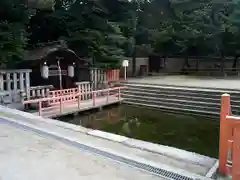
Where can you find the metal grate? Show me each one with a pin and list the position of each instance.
(156, 171)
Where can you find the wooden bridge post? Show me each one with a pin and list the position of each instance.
(223, 137)
(61, 104)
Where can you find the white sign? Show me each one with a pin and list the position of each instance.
(125, 63)
(53, 72)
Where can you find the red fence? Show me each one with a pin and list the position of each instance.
(113, 75)
(72, 92)
(229, 147)
(66, 97)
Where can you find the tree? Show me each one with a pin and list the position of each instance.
(13, 17)
(90, 33)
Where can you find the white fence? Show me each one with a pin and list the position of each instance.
(14, 82)
(15, 85)
(98, 78)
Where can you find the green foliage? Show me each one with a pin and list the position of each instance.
(107, 30)
(12, 42)
(85, 25)
(13, 17)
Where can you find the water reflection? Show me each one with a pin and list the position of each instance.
(196, 134)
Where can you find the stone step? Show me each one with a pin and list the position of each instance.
(183, 96)
(204, 101)
(197, 112)
(161, 100)
(194, 88)
(181, 90)
(171, 104)
(183, 103)
(179, 106)
(186, 97)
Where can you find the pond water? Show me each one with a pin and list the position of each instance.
(197, 134)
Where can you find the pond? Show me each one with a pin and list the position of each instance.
(192, 133)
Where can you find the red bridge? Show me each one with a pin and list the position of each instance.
(68, 101)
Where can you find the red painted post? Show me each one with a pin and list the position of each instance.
(223, 140)
(108, 75)
(118, 72)
(40, 108)
(61, 103)
(94, 98)
(236, 154)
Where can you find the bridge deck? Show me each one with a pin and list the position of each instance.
(72, 106)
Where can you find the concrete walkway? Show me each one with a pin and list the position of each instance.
(201, 82)
(37, 148)
(26, 155)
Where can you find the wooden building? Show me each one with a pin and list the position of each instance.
(58, 60)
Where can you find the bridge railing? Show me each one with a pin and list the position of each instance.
(70, 97)
(229, 145)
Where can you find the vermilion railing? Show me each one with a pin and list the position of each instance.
(229, 145)
(61, 98)
(70, 95)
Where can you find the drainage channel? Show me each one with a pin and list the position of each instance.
(168, 175)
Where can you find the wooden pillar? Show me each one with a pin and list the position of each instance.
(223, 140)
(27, 84)
(33, 93)
(8, 82)
(15, 81)
(89, 90)
(92, 72)
(1, 81)
(105, 78)
(21, 81)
